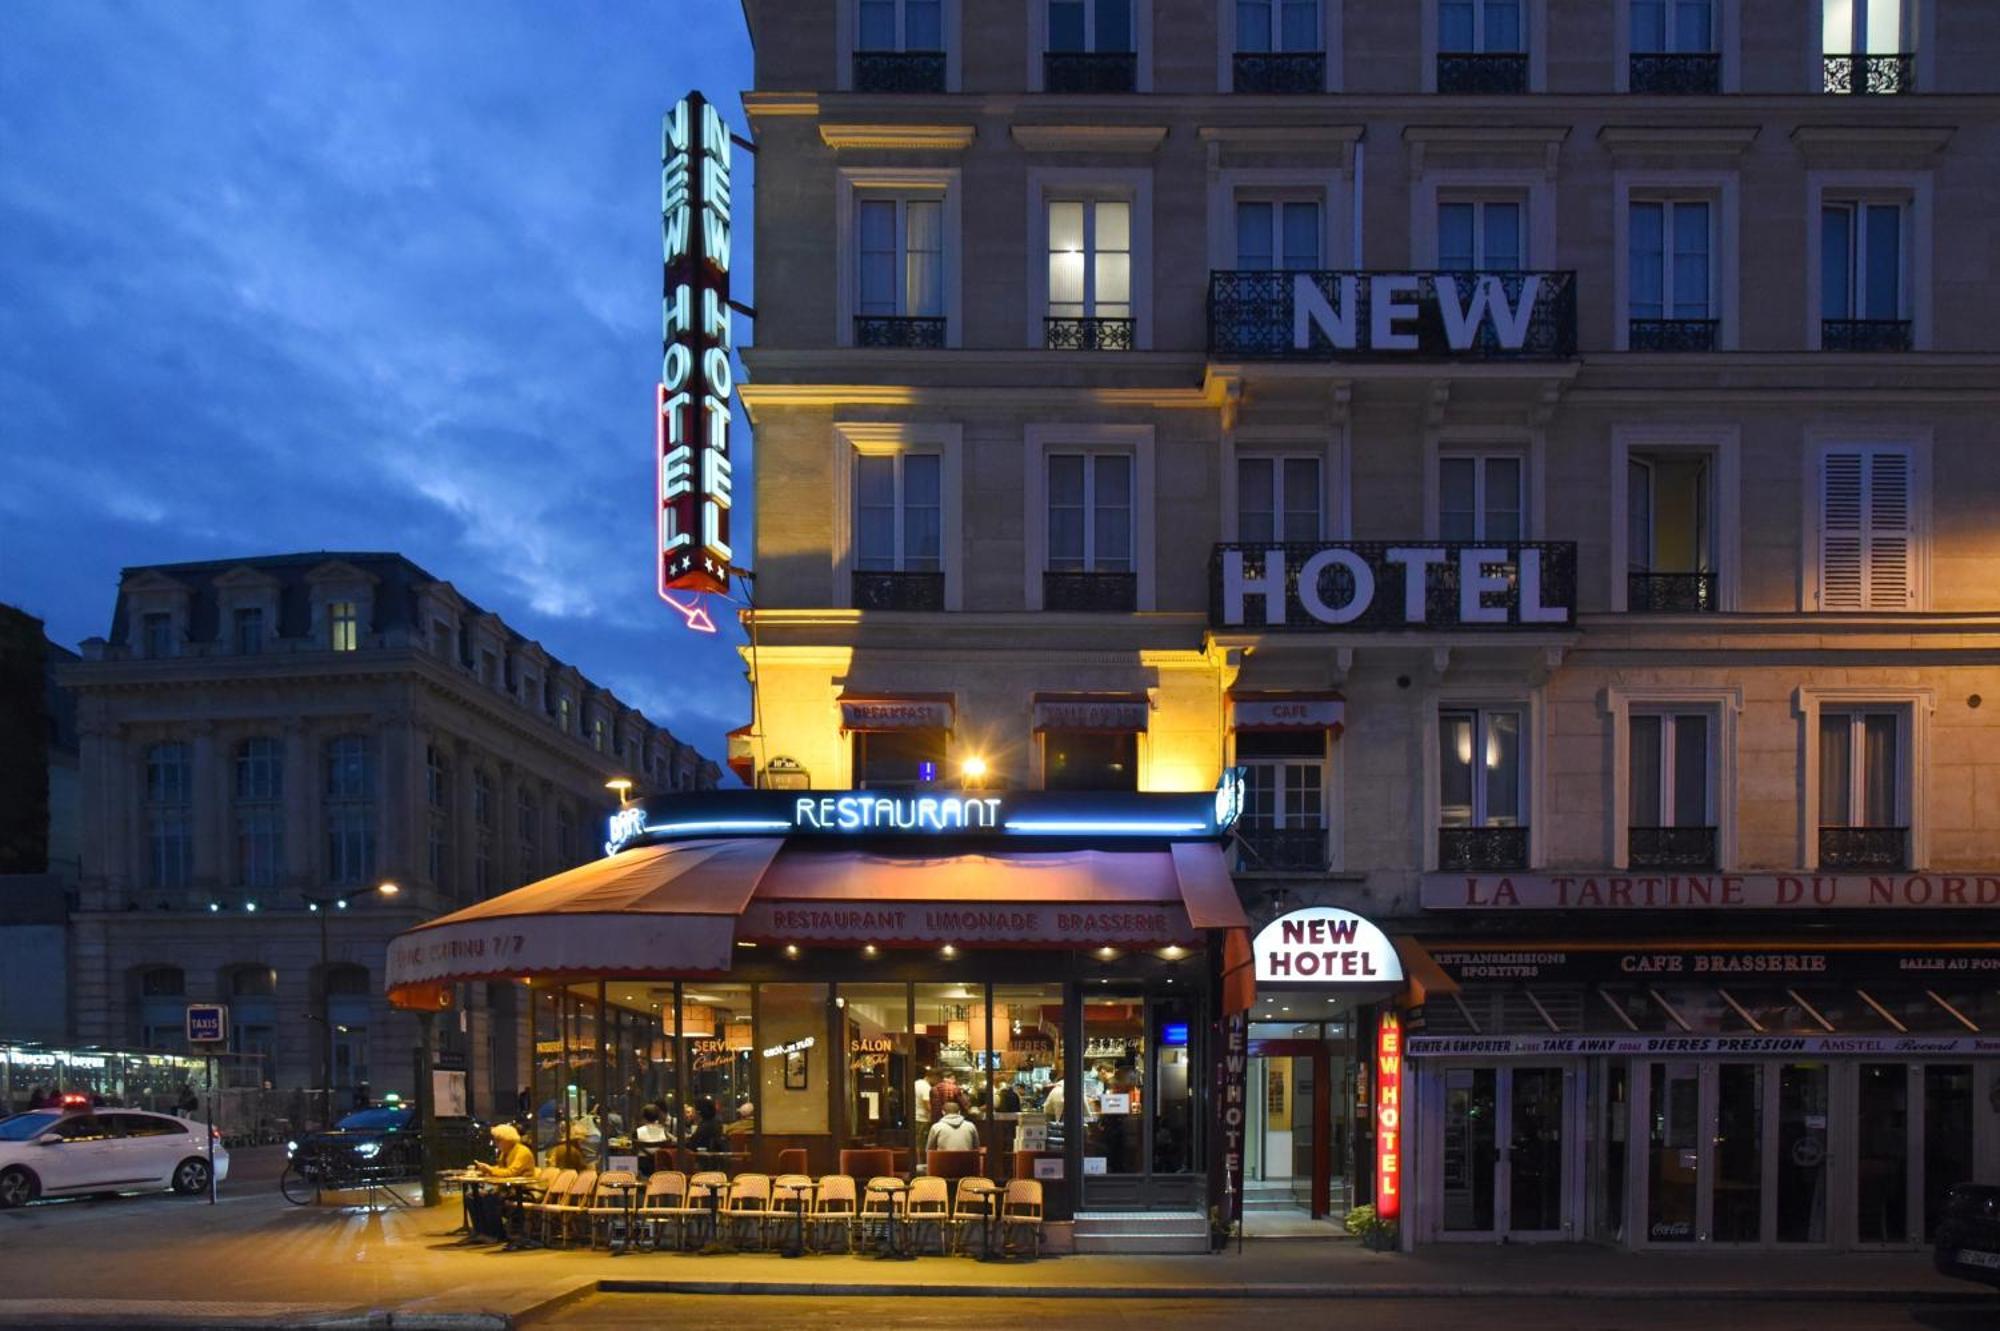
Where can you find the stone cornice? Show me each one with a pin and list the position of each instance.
(1837, 145)
(1487, 145)
(903, 138)
(1649, 141)
(1089, 138)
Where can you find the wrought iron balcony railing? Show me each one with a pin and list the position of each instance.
(1280, 71)
(1671, 334)
(1884, 849)
(1651, 593)
(1387, 609)
(1090, 71)
(1871, 74)
(1280, 849)
(1670, 847)
(1482, 849)
(1865, 335)
(1675, 72)
(1251, 314)
(1088, 334)
(1482, 71)
(899, 71)
(1091, 593)
(881, 590)
(897, 330)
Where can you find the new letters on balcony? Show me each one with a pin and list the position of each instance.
(1331, 315)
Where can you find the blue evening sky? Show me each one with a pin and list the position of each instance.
(283, 275)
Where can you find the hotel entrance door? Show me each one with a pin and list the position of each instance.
(1292, 1139)
(1504, 1151)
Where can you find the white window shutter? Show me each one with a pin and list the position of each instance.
(1890, 539)
(1841, 539)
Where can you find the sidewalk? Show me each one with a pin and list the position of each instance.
(254, 1261)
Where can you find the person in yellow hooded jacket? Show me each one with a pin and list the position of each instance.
(512, 1160)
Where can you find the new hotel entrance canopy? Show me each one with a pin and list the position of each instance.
(687, 878)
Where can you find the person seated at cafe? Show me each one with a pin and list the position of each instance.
(952, 1132)
(569, 1153)
(651, 1137)
(746, 1120)
(512, 1159)
(707, 1137)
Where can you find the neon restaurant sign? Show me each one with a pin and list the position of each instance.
(696, 380)
(1201, 815)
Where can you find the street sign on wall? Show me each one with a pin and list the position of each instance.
(207, 1023)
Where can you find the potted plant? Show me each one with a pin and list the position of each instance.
(1220, 1231)
(1375, 1233)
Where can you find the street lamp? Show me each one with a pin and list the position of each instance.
(623, 785)
(322, 907)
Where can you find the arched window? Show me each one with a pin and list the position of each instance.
(260, 812)
(349, 996)
(162, 1007)
(437, 786)
(350, 810)
(253, 1018)
(169, 816)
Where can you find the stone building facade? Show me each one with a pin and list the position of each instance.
(265, 734)
(1085, 325)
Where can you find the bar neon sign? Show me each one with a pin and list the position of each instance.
(1389, 1116)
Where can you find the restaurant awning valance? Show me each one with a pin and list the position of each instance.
(1287, 711)
(896, 711)
(680, 908)
(1110, 713)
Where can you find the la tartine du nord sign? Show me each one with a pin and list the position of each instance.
(1385, 585)
(692, 431)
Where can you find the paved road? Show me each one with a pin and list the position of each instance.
(745, 1313)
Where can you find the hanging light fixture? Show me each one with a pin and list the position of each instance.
(737, 1036)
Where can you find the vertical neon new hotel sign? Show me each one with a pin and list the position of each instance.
(695, 375)
(1389, 1116)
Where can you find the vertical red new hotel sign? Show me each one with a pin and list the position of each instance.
(695, 374)
(1389, 1116)
(1230, 1115)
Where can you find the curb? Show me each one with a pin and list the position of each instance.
(1622, 1293)
(207, 1317)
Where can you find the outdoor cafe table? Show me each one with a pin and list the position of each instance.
(471, 1183)
(715, 1242)
(630, 1189)
(989, 1193)
(802, 1194)
(893, 1250)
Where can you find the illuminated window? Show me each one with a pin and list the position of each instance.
(1090, 259)
(1480, 765)
(343, 622)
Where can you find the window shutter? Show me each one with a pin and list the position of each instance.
(1889, 536)
(1840, 536)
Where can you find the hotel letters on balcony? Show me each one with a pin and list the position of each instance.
(692, 403)
(1385, 585)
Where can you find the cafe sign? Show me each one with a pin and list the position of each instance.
(1324, 945)
(1625, 890)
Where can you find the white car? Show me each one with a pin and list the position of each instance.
(61, 1152)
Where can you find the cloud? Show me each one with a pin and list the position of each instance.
(306, 274)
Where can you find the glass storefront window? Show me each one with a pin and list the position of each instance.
(1174, 1023)
(1535, 1153)
(1611, 1117)
(1882, 1154)
(1471, 1120)
(1114, 1094)
(1027, 1074)
(1739, 1152)
(584, 1054)
(793, 1071)
(1947, 1136)
(1802, 1138)
(550, 1067)
(952, 1063)
(1673, 1152)
(875, 1020)
(719, 1049)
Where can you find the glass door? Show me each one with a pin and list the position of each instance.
(1735, 1152)
(1505, 1152)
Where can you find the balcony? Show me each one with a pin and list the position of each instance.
(1870, 75)
(1284, 72)
(1671, 334)
(899, 71)
(1482, 849)
(1866, 849)
(1090, 71)
(1087, 334)
(1651, 593)
(886, 330)
(1675, 73)
(1865, 335)
(881, 590)
(1091, 593)
(1482, 71)
(1670, 847)
(1387, 608)
(1281, 849)
(1251, 314)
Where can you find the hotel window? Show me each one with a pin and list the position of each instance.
(343, 626)
(437, 797)
(900, 280)
(1482, 805)
(1280, 47)
(1670, 278)
(249, 631)
(1481, 498)
(1480, 235)
(1672, 817)
(1277, 233)
(899, 531)
(350, 811)
(1482, 47)
(898, 759)
(1674, 47)
(1867, 47)
(1864, 293)
(899, 46)
(1090, 554)
(1278, 499)
(260, 814)
(1863, 811)
(1090, 275)
(1669, 540)
(1090, 760)
(169, 816)
(1283, 826)
(156, 636)
(1867, 537)
(1091, 47)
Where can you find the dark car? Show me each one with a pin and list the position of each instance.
(381, 1145)
(1968, 1238)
